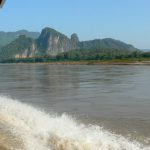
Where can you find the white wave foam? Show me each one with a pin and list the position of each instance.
(40, 131)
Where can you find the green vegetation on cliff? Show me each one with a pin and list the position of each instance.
(7, 37)
(53, 43)
(106, 43)
(87, 57)
(16, 47)
(53, 46)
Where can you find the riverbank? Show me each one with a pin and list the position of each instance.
(131, 61)
(99, 63)
(91, 63)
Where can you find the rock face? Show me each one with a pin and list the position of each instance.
(75, 41)
(51, 42)
(29, 52)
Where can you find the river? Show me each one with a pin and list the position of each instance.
(74, 107)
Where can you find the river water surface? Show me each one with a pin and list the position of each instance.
(74, 107)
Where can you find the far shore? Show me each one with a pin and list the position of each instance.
(91, 62)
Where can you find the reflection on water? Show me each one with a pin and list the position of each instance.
(117, 97)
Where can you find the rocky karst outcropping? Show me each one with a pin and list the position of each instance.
(51, 42)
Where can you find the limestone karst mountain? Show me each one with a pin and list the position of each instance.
(51, 42)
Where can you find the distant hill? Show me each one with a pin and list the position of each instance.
(51, 42)
(20, 46)
(7, 37)
(105, 44)
(146, 50)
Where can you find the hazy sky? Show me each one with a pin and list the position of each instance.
(126, 20)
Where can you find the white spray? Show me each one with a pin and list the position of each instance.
(37, 130)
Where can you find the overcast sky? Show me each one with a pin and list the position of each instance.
(126, 20)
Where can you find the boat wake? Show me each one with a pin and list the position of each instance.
(23, 127)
